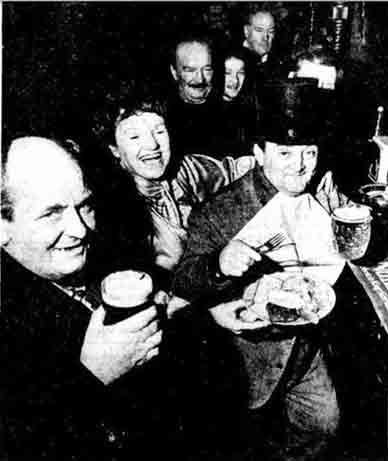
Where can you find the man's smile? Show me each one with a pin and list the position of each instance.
(79, 247)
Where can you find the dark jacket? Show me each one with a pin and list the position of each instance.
(273, 68)
(210, 229)
(193, 128)
(239, 128)
(52, 406)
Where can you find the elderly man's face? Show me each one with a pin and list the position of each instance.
(143, 145)
(260, 32)
(289, 168)
(49, 232)
(193, 72)
(234, 77)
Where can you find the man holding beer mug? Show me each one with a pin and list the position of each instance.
(70, 381)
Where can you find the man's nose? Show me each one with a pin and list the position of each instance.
(150, 143)
(199, 76)
(234, 80)
(302, 161)
(75, 225)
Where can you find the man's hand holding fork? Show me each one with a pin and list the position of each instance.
(234, 260)
(237, 256)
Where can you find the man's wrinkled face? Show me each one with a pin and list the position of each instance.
(143, 145)
(53, 216)
(193, 72)
(289, 168)
(260, 33)
(234, 77)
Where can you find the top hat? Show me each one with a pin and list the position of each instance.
(292, 112)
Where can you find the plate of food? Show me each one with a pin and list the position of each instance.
(289, 298)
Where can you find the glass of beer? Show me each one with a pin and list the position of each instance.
(352, 230)
(124, 294)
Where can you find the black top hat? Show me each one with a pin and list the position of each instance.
(292, 112)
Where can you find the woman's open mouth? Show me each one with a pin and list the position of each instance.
(151, 157)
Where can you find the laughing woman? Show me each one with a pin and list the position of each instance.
(168, 184)
(239, 108)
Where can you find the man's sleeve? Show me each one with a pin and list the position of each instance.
(197, 274)
(202, 176)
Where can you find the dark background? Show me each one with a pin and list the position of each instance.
(60, 58)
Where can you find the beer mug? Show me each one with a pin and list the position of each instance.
(352, 230)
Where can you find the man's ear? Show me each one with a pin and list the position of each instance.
(173, 72)
(114, 151)
(259, 154)
(246, 31)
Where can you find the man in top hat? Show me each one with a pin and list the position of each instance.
(282, 369)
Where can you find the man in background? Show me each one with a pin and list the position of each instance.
(259, 28)
(192, 105)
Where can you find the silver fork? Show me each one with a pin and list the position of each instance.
(272, 243)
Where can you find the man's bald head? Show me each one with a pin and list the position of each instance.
(50, 208)
(30, 160)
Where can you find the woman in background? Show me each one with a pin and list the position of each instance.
(239, 108)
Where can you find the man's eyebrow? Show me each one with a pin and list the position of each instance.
(50, 209)
(269, 29)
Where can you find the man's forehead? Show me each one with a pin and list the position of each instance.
(193, 51)
(50, 195)
(30, 158)
(39, 165)
(275, 146)
(263, 19)
(56, 191)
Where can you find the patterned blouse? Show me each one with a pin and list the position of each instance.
(170, 202)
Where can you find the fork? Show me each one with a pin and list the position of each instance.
(272, 243)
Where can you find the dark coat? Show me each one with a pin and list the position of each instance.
(52, 406)
(193, 128)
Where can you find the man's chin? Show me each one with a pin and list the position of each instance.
(297, 189)
(196, 99)
(74, 263)
(197, 96)
(73, 272)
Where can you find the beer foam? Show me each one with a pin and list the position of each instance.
(351, 214)
(126, 288)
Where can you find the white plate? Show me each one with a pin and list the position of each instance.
(328, 295)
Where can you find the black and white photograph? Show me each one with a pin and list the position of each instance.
(194, 231)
